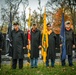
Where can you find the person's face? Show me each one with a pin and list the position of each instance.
(48, 28)
(67, 26)
(34, 27)
(16, 27)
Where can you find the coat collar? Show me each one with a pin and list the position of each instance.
(49, 32)
(16, 31)
(34, 30)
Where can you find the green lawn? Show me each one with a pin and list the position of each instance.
(41, 70)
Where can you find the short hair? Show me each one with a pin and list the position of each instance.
(16, 23)
(48, 24)
(34, 24)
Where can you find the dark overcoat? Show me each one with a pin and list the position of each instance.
(1, 44)
(18, 42)
(35, 42)
(51, 53)
(1, 40)
(69, 36)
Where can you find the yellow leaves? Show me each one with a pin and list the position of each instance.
(4, 29)
(73, 68)
(64, 69)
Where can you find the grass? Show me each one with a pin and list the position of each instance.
(41, 70)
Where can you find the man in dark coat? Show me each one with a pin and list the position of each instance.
(69, 35)
(51, 54)
(35, 45)
(1, 39)
(18, 46)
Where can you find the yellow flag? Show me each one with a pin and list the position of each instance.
(44, 38)
(29, 19)
(29, 33)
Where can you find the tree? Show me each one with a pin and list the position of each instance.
(25, 3)
(14, 7)
(57, 19)
(55, 7)
(14, 10)
(40, 9)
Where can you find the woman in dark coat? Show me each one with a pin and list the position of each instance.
(18, 45)
(35, 45)
(51, 54)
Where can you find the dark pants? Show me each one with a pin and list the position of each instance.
(0, 59)
(14, 63)
(52, 62)
(69, 61)
(34, 62)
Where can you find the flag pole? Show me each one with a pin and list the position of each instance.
(29, 36)
(62, 36)
(61, 46)
(44, 38)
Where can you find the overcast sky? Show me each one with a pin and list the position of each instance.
(33, 4)
(1, 1)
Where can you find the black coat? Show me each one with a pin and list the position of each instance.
(69, 41)
(35, 42)
(18, 42)
(51, 53)
(1, 40)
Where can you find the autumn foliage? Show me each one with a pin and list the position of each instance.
(57, 18)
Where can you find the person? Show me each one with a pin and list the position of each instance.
(18, 46)
(1, 40)
(35, 46)
(51, 53)
(69, 35)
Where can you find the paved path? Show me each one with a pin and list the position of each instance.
(7, 59)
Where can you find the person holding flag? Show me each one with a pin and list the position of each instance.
(67, 41)
(51, 53)
(48, 43)
(35, 45)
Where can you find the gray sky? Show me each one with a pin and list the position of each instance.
(1, 1)
(33, 4)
